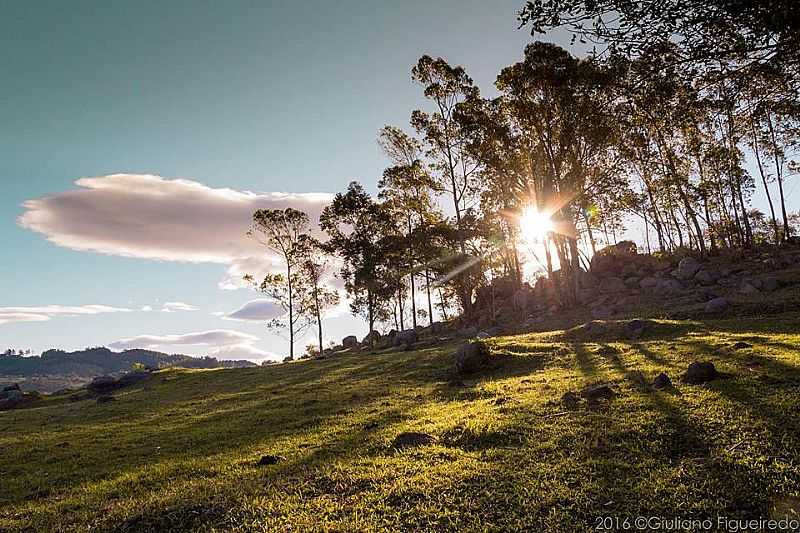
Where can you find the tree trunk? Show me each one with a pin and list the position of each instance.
(779, 177)
(291, 309)
(763, 175)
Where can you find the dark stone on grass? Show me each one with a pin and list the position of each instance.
(132, 377)
(407, 336)
(471, 357)
(351, 341)
(570, 400)
(638, 379)
(267, 460)
(13, 386)
(412, 439)
(11, 398)
(635, 328)
(597, 392)
(741, 345)
(106, 399)
(700, 372)
(662, 381)
(102, 384)
(770, 284)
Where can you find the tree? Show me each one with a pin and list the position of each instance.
(314, 265)
(357, 228)
(280, 231)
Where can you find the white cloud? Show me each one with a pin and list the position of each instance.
(146, 308)
(46, 312)
(245, 351)
(260, 310)
(151, 217)
(215, 338)
(171, 307)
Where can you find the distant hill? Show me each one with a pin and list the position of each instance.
(61, 368)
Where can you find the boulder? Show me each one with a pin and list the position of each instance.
(632, 282)
(669, 287)
(467, 332)
(717, 305)
(741, 345)
(597, 392)
(648, 282)
(770, 284)
(13, 386)
(601, 312)
(412, 439)
(700, 372)
(662, 381)
(611, 285)
(521, 299)
(595, 328)
(687, 268)
(570, 400)
(705, 277)
(748, 288)
(103, 384)
(407, 336)
(268, 460)
(351, 341)
(105, 399)
(132, 377)
(635, 328)
(370, 337)
(471, 357)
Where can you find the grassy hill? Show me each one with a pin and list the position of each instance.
(180, 451)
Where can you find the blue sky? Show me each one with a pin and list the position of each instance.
(249, 96)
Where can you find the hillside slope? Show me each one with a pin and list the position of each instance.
(180, 451)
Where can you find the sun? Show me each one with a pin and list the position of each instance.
(534, 224)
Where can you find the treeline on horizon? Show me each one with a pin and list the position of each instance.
(658, 125)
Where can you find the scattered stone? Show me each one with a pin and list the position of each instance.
(601, 312)
(597, 392)
(13, 386)
(638, 379)
(662, 381)
(370, 337)
(407, 336)
(267, 460)
(471, 357)
(468, 332)
(704, 277)
(132, 377)
(412, 439)
(570, 400)
(11, 398)
(717, 305)
(351, 341)
(748, 288)
(669, 287)
(687, 268)
(648, 282)
(102, 384)
(611, 285)
(770, 284)
(700, 372)
(741, 345)
(632, 282)
(595, 328)
(635, 328)
(106, 399)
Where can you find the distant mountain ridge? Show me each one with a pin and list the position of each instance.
(83, 365)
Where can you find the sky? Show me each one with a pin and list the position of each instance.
(136, 139)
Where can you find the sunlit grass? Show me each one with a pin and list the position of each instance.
(179, 451)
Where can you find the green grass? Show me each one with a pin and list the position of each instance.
(179, 451)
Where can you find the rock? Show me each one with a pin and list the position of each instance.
(601, 312)
(412, 439)
(632, 282)
(351, 341)
(717, 305)
(687, 268)
(700, 372)
(669, 287)
(597, 392)
(132, 377)
(611, 285)
(471, 357)
(770, 284)
(103, 384)
(662, 381)
(595, 328)
(748, 288)
(13, 386)
(635, 328)
(370, 337)
(741, 345)
(704, 277)
(638, 379)
(648, 282)
(521, 299)
(570, 400)
(407, 336)
(467, 332)
(106, 399)
(11, 398)
(267, 460)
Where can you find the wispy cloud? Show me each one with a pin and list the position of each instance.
(260, 310)
(171, 307)
(215, 338)
(47, 312)
(152, 217)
